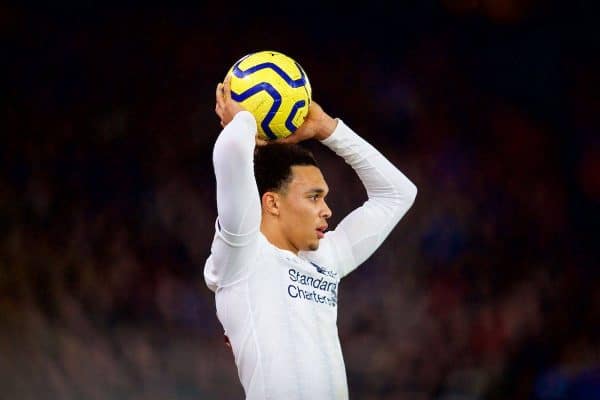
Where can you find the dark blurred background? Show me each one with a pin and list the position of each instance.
(487, 289)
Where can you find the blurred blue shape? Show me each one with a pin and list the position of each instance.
(562, 384)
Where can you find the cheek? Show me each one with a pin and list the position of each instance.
(300, 217)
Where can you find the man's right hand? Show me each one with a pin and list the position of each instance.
(226, 107)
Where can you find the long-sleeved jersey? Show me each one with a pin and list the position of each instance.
(279, 309)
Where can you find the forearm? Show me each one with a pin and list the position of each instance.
(390, 193)
(238, 202)
(381, 179)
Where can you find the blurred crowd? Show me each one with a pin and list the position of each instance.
(487, 289)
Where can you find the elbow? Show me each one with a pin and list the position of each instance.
(412, 193)
(405, 196)
(405, 189)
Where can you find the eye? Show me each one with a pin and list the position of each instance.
(315, 197)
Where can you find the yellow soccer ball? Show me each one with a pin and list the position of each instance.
(275, 89)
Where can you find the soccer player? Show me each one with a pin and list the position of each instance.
(274, 267)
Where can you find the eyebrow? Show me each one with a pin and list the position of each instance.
(316, 190)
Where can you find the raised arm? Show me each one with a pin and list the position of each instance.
(390, 195)
(238, 202)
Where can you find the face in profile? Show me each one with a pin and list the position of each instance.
(303, 210)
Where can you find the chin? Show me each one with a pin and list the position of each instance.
(313, 246)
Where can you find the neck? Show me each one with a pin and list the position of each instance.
(275, 236)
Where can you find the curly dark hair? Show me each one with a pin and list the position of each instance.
(273, 165)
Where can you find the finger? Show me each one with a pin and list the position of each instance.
(227, 88)
(287, 140)
(300, 134)
(260, 141)
(219, 111)
(219, 94)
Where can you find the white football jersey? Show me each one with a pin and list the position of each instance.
(279, 309)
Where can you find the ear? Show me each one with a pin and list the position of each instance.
(270, 203)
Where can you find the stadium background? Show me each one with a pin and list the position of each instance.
(487, 289)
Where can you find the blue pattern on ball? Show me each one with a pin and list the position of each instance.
(294, 83)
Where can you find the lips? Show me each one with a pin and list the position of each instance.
(321, 231)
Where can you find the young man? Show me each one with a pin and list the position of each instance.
(273, 267)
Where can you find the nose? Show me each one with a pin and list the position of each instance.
(326, 213)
